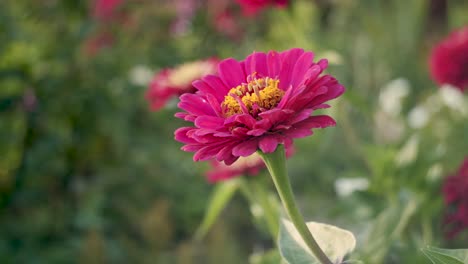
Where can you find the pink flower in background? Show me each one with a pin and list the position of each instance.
(252, 7)
(455, 191)
(260, 102)
(227, 24)
(173, 82)
(449, 60)
(185, 10)
(244, 166)
(249, 166)
(105, 10)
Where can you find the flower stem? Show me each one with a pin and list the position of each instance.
(276, 164)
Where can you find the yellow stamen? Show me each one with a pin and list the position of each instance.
(257, 95)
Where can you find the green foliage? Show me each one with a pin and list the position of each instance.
(89, 175)
(335, 243)
(446, 256)
(222, 194)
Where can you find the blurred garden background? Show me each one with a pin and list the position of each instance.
(90, 173)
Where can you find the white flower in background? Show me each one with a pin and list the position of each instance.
(419, 116)
(447, 96)
(392, 95)
(388, 128)
(140, 75)
(454, 99)
(435, 172)
(346, 186)
(333, 57)
(408, 152)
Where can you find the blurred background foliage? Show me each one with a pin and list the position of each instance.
(89, 175)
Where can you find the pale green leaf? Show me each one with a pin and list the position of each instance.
(269, 257)
(334, 241)
(222, 194)
(446, 256)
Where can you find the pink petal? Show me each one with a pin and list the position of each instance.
(231, 72)
(268, 144)
(212, 122)
(301, 116)
(215, 105)
(181, 135)
(298, 132)
(315, 122)
(240, 131)
(274, 64)
(301, 67)
(257, 62)
(231, 160)
(192, 147)
(276, 115)
(247, 120)
(195, 104)
(206, 89)
(217, 84)
(323, 63)
(289, 60)
(256, 132)
(203, 132)
(206, 153)
(185, 116)
(245, 148)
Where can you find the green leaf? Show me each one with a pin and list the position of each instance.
(222, 194)
(269, 257)
(446, 256)
(335, 243)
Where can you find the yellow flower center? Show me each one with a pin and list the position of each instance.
(257, 95)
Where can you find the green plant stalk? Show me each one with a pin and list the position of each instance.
(276, 164)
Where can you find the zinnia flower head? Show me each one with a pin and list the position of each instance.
(455, 191)
(244, 166)
(449, 60)
(173, 82)
(252, 7)
(256, 104)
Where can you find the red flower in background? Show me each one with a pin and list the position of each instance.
(455, 191)
(173, 82)
(105, 10)
(449, 60)
(252, 7)
(258, 103)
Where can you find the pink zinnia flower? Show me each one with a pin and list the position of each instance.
(172, 82)
(455, 191)
(258, 103)
(449, 60)
(252, 7)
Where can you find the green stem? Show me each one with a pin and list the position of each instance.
(276, 164)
